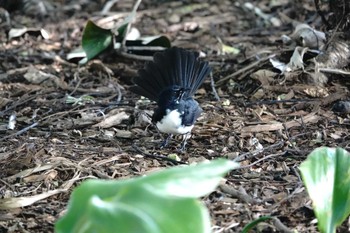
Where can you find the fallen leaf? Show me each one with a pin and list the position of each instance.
(112, 120)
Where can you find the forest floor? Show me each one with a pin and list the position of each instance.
(266, 119)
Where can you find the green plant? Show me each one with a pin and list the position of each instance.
(154, 203)
(96, 39)
(255, 222)
(326, 175)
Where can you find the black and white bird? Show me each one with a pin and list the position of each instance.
(172, 80)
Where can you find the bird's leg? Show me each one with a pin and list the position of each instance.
(185, 137)
(165, 142)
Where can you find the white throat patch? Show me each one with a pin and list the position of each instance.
(171, 123)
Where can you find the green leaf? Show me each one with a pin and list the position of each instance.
(161, 41)
(121, 32)
(150, 204)
(124, 213)
(189, 181)
(326, 175)
(254, 223)
(95, 39)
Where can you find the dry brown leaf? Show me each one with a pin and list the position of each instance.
(123, 133)
(306, 36)
(17, 202)
(30, 171)
(36, 76)
(310, 118)
(315, 91)
(112, 120)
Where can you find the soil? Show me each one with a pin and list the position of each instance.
(74, 122)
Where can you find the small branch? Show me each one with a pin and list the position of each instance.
(20, 131)
(245, 69)
(299, 189)
(248, 155)
(323, 18)
(334, 71)
(212, 83)
(157, 157)
(269, 102)
(262, 159)
(134, 56)
(107, 7)
(240, 194)
(149, 48)
(281, 227)
(128, 28)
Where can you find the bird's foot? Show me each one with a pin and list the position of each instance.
(184, 142)
(166, 141)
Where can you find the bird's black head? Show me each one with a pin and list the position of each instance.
(171, 96)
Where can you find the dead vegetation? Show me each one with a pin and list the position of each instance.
(269, 105)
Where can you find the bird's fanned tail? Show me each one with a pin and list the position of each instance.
(172, 67)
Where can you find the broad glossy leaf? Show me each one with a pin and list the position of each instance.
(326, 175)
(154, 203)
(95, 39)
(157, 215)
(190, 181)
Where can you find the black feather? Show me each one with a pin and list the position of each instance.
(171, 67)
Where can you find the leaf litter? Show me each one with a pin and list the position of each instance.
(280, 98)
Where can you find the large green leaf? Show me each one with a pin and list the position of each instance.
(326, 174)
(150, 204)
(95, 39)
(190, 181)
(127, 212)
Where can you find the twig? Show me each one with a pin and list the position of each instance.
(149, 48)
(107, 7)
(334, 71)
(289, 137)
(240, 194)
(134, 56)
(277, 204)
(248, 155)
(128, 27)
(119, 98)
(269, 102)
(262, 159)
(323, 18)
(158, 157)
(24, 99)
(281, 227)
(310, 118)
(76, 76)
(20, 131)
(212, 83)
(251, 66)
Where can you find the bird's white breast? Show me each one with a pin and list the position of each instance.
(171, 123)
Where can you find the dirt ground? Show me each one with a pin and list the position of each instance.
(265, 119)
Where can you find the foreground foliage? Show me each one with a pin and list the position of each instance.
(326, 175)
(154, 203)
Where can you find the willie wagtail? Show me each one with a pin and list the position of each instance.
(171, 80)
